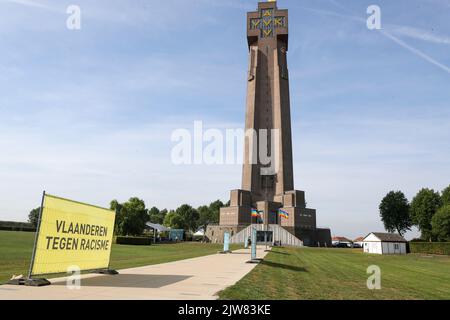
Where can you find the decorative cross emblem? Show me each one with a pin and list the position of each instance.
(267, 23)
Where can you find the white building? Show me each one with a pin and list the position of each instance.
(384, 243)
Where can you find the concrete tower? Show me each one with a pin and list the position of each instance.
(268, 186)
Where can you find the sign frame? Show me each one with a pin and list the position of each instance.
(38, 282)
(36, 236)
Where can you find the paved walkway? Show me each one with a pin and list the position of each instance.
(193, 279)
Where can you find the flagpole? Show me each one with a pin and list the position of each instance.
(265, 234)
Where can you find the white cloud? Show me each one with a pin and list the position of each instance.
(40, 5)
(29, 3)
(420, 34)
(401, 30)
(415, 51)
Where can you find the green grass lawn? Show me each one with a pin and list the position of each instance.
(286, 273)
(341, 274)
(16, 249)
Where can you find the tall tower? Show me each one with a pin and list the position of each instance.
(268, 186)
(268, 105)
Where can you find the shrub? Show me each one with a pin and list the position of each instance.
(442, 248)
(16, 226)
(134, 241)
(20, 229)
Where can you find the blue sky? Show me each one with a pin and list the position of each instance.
(88, 114)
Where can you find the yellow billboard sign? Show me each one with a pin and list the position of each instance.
(72, 234)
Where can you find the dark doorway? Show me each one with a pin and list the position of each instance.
(260, 236)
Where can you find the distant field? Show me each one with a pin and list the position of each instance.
(341, 274)
(16, 249)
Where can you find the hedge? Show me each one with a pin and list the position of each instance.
(134, 241)
(16, 226)
(442, 248)
(21, 229)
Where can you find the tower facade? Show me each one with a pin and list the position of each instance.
(267, 175)
(268, 105)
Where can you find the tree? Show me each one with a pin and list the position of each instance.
(446, 196)
(174, 220)
(423, 208)
(441, 224)
(117, 207)
(209, 214)
(131, 217)
(162, 215)
(156, 215)
(394, 212)
(215, 210)
(204, 215)
(189, 216)
(33, 217)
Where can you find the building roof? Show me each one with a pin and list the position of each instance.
(388, 237)
(199, 233)
(359, 239)
(158, 227)
(343, 239)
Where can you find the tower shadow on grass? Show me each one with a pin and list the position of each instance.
(283, 266)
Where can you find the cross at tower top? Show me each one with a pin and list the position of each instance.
(267, 22)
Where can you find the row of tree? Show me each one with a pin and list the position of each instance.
(429, 211)
(133, 215)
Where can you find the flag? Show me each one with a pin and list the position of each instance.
(283, 214)
(255, 213)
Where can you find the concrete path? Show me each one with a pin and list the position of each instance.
(193, 279)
